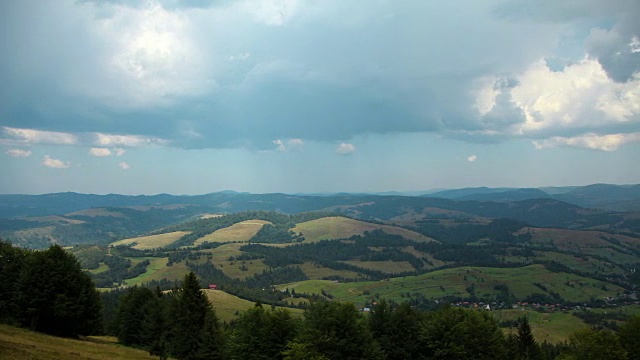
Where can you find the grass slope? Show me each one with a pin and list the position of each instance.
(227, 306)
(153, 241)
(455, 282)
(337, 227)
(551, 327)
(242, 231)
(16, 343)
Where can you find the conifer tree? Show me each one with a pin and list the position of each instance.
(629, 335)
(132, 316)
(260, 334)
(155, 326)
(528, 348)
(11, 263)
(593, 344)
(196, 332)
(397, 330)
(457, 333)
(333, 330)
(56, 296)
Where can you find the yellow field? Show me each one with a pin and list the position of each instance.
(16, 343)
(242, 231)
(226, 305)
(153, 241)
(340, 227)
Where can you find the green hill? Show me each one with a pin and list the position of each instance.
(464, 282)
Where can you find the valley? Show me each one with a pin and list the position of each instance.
(542, 257)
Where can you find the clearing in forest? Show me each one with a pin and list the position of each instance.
(337, 227)
(242, 231)
(153, 241)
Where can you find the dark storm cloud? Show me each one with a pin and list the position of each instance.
(215, 74)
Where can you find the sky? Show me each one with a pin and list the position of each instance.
(294, 96)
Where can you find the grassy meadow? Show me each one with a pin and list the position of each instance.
(242, 231)
(227, 306)
(550, 327)
(17, 343)
(457, 282)
(337, 227)
(152, 241)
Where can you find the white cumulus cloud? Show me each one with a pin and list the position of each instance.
(472, 158)
(125, 140)
(124, 166)
(55, 163)
(100, 152)
(289, 145)
(280, 145)
(32, 136)
(119, 151)
(345, 149)
(18, 153)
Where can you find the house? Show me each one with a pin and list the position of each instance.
(213, 287)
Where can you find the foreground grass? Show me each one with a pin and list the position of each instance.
(16, 343)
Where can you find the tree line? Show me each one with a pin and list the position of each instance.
(157, 322)
(47, 291)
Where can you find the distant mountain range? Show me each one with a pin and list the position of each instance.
(601, 196)
(70, 218)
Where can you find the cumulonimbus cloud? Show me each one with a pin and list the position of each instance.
(152, 72)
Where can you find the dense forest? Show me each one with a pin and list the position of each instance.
(154, 320)
(47, 291)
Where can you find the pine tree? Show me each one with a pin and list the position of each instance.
(12, 260)
(629, 335)
(457, 333)
(528, 348)
(260, 334)
(155, 326)
(397, 330)
(132, 316)
(196, 332)
(333, 330)
(593, 344)
(56, 296)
